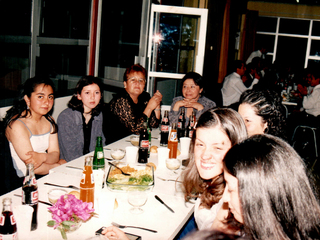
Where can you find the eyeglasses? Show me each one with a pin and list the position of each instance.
(137, 80)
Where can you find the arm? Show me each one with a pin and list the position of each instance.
(311, 100)
(174, 111)
(114, 233)
(219, 223)
(240, 87)
(154, 103)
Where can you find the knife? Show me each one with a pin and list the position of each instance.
(159, 199)
(38, 200)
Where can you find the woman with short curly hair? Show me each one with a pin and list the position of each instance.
(263, 112)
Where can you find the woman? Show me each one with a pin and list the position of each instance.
(263, 112)
(191, 101)
(216, 132)
(268, 190)
(31, 131)
(81, 123)
(132, 106)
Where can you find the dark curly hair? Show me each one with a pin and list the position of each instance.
(268, 105)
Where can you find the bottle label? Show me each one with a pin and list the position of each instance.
(2, 220)
(144, 143)
(179, 124)
(165, 120)
(34, 181)
(180, 117)
(164, 128)
(13, 236)
(83, 179)
(12, 220)
(173, 136)
(99, 155)
(190, 133)
(34, 196)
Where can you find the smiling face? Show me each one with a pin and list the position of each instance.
(211, 145)
(135, 84)
(231, 196)
(90, 97)
(41, 100)
(253, 122)
(190, 90)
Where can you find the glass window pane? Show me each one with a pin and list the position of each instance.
(294, 26)
(267, 24)
(289, 53)
(171, 51)
(314, 64)
(266, 41)
(315, 48)
(169, 89)
(316, 28)
(62, 19)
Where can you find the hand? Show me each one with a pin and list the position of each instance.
(114, 233)
(36, 158)
(194, 104)
(62, 161)
(155, 101)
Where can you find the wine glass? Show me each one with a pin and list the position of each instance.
(137, 199)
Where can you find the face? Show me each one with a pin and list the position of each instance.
(41, 100)
(231, 196)
(135, 83)
(254, 123)
(90, 97)
(211, 144)
(190, 90)
(314, 81)
(241, 71)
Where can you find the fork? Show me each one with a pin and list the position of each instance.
(127, 174)
(124, 226)
(68, 186)
(164, 179)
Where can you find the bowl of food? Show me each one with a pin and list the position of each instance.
(141, 177)
(55, 194)
(173, 163)
(117, 153)
(135, 140)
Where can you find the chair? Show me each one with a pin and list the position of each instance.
(304, 141)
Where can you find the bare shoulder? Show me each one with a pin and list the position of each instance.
(16, 128)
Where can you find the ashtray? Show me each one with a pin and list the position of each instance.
(55, 194)
(117, 153)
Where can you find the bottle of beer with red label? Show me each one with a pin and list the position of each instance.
(8, 227)
(143, 145)
(30, 194)
(190, 128)
(164, 130)
(181, 124)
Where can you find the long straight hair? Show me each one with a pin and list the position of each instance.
(277, 198)
(231, 123)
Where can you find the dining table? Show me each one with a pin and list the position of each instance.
(155, 216)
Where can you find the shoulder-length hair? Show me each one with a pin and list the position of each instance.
(268, 105)
(20, 108)
(132, 69)
(77, 104)
(231, 123)
(276, 196)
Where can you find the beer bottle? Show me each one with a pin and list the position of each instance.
(8, 227)
(30, 194)
(98, 158)
(144, 144)
(181, 124)
(87, 182)
(191, 124)
(173, 141)
(149, 134)
(164, 130)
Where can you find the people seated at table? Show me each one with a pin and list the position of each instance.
(263, 112)
(233, 86)
(132, 106)
(268, 191)
(259, 53)
(81, 123)
(216, 132)
(191, 100)
(30, 129)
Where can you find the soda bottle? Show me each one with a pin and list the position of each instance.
(87, 182)
(164, 130)
(8, 227)
(181, 124)
(30, 194)
(173, 141)
(144, 144)
(98, 158)
(191, 124)
(149, 134)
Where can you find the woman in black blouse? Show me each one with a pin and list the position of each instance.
(131, 106)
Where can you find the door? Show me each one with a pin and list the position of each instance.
(176, 46)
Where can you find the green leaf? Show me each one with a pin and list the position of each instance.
(63, 233)
(51, 223)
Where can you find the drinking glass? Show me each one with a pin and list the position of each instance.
(173, 164)
(137, 199)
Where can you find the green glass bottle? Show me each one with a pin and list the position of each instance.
(98, 158)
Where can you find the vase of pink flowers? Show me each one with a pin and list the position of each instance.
(68, 213)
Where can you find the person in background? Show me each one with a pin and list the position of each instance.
(30, 129)
(192, 100)
(130, 108)
(81, 123)
(260, 53)
(263, 112)
(268, 191)
(233, 86)
(216, 132)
